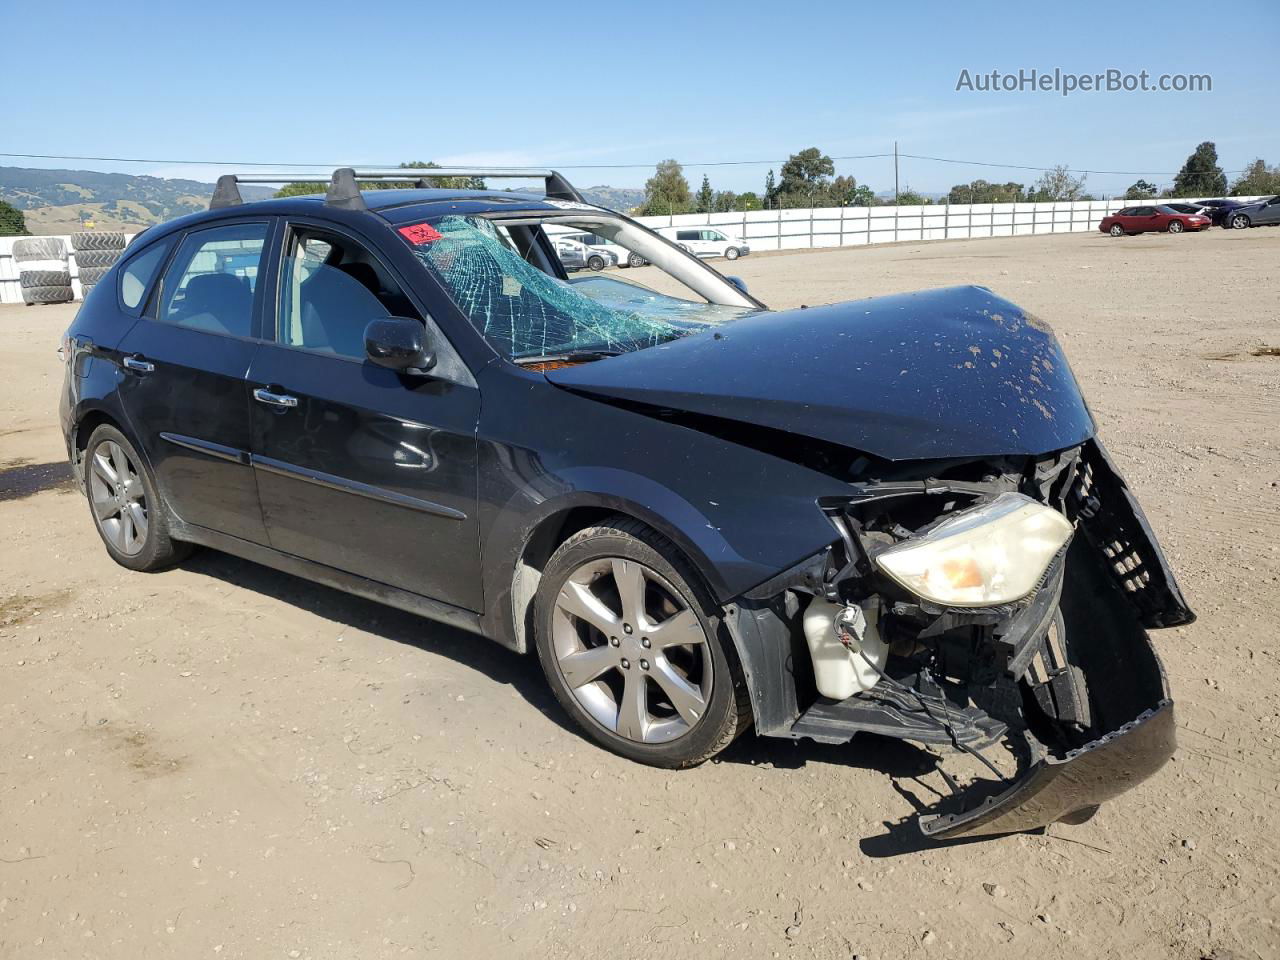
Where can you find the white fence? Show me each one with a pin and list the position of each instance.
(803, 229)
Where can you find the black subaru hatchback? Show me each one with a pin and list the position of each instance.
(889, 515)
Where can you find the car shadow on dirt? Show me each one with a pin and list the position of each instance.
(905, 764)
(499, 664)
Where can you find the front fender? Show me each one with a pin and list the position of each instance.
(741, 516)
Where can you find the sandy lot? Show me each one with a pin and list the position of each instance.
(221, 761)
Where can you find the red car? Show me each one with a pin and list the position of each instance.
(1144, 219)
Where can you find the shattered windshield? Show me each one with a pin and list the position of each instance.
(527, 313)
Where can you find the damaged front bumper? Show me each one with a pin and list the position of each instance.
(1067, 680)
(1068, 789)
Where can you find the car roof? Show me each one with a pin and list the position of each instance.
(394, 206)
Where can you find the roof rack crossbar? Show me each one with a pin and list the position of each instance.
(344, 187)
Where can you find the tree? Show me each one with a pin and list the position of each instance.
(1058, 184)
(863, 196)
(805, 177)
(909, 198)
(979, 191)
(770, 189)
(1141, 190)
(447, 183)
(1257, 180)
(706, 199)
(13, 222)
(724, 201)
(746, 201)
(1201, 175)
(667, 191)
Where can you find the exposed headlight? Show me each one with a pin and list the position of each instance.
(992, 554)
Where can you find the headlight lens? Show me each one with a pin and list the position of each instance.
(992, 554)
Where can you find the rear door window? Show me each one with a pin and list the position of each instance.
(211, 282)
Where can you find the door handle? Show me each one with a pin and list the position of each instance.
(138, 365)
(282, 400)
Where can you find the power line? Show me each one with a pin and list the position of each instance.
(601, 166)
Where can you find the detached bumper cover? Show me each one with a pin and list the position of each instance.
(1069, 789)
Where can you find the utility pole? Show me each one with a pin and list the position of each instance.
(895, 173)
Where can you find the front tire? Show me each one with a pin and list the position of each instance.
(634, 650)
(1240, 222)
(1117, 230)
(127, 510)
(596, 263)
(1175, 226)
(635, 260)
(731, 253)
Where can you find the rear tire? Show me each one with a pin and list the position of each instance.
(635, 260)
(126, 508)
(670, 592)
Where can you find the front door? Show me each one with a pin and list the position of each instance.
(183, 378)
(361, 468)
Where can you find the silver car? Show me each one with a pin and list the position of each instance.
(1260, 214)
(578, 256)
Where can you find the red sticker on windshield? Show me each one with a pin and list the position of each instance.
(421, 234)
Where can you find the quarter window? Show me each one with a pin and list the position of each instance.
(137, 274)
(211, 282)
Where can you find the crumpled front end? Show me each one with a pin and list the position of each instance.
(1052, 663)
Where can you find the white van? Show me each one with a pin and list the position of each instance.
(706, 242)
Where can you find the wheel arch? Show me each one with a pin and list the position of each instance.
(556, 525)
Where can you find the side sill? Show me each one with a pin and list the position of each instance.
(331, 577)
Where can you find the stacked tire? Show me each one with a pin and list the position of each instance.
(95, 254)
(42, 270)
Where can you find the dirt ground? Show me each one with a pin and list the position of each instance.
(222, 761)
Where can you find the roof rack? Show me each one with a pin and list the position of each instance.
(344, 186)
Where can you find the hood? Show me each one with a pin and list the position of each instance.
(957, 372)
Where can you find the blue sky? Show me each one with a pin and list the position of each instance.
(611, 82)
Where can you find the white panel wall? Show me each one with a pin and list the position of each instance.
(803, 229)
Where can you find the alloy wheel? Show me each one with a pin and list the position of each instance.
(632, 650)
(118, 497)
(1240, 222)
(731, 253)
(1175, 226)
(1117, 230)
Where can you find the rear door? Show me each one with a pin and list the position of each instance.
(359, 467)
(183, 376)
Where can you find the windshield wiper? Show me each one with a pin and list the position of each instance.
(584, 356)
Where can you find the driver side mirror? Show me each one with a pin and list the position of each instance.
(400, 344)
(738, 282)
